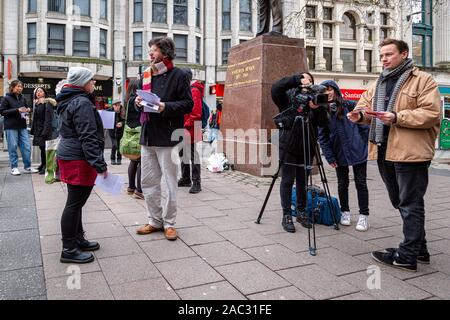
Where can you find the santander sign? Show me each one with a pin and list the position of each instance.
(352, 94)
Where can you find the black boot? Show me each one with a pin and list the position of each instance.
(184, 182)
(287, 223)
(113, 162)
(303, 219)
(85, 245)
(119, 162)
(71, 253)
(196, 187)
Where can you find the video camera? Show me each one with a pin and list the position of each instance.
(314, 93)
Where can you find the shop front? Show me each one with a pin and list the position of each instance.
(445, 94)
(30, 84)
(2, 93)
(103, 94)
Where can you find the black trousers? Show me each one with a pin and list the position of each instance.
(134, 175)
(194, 159)
(407, 184)
(71, 220)
(115, 148)
(43, 158)
(360, 175)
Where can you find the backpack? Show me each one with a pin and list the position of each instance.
(205, 114)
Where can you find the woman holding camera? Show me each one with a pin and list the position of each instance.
(345, 144)
(292, 157)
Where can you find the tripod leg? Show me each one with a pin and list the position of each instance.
(275, 176)
(324, 180)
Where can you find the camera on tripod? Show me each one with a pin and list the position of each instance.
(314, 93)
(301, 97)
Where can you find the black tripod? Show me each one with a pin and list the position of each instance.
(304, 120)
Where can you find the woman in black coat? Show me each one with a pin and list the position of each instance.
(41, 128)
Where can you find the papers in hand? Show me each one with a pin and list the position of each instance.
(108, 118)
(113, 184)
(150, 101)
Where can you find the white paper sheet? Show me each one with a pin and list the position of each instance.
(108, 118)
(113, 184)
(149, 97)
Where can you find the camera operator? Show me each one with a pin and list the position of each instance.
(345, 144)
(285, 94)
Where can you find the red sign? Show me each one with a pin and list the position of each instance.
(9, 69)
(217, 90)
(352, 94)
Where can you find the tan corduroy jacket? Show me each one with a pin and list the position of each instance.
(418, 107)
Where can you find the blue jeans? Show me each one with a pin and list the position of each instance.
(407, 184)
(18, 138)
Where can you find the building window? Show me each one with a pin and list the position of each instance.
(328, 14)
(181, 51)
(328, 56)
(348, 56)
(310, 12)
(422, 41)
(158, 35)
(384, 33)
(83, 7)
(82, 42)
(226, 45)
(103, 43)
(310, 29)
(138, 11)
(384, 19)
(104, 9)
(180, 12)
(368, 58)
(137, 46)
(32, 6)
(159, 13)
(56, 39)
(197, 13)
(198, 45)
(31, 27)
(245, 15)
(348, 29)
(327, 31)
(311, 54)
(226, 14)
(422, 50)
(368, 35)
(57, 6)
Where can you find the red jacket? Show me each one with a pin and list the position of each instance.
(194, 119)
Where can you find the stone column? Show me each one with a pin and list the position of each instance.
(361, 64)
(320, 60)
(210, 44)
(441, 37)
(338, 64)
(11, 39)
(376, 66)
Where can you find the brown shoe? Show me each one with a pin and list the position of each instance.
(139, 195)
(171, 234)
(147, 229)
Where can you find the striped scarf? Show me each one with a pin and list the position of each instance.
(377, 126)
(154, 70)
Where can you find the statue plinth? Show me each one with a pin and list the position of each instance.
(253, 67)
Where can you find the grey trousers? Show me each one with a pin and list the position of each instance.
(156, 162)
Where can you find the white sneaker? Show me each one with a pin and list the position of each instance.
(31, 170)
(15, 172)
(345, 218)
(363, 223)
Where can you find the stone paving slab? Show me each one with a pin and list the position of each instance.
(19, 249)
(204, 211)
(17, 219)
(199, 235)
(22, 284)
(317, 282)
(391, 288)
(437, 284)
(105, 230)
(276, 257)
(93, 287)
(154, 289)
(221, 253)
(349, 244)
(188, 272)
(247, 276)
(224, 223)
(163, 250)
(289, 293)
(215, 291)
(55, 269)
(246, 238)
(117, 246)
(123, 269)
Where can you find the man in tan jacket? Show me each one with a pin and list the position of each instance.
(403, 108)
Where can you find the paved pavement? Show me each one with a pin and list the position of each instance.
(221, 254)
